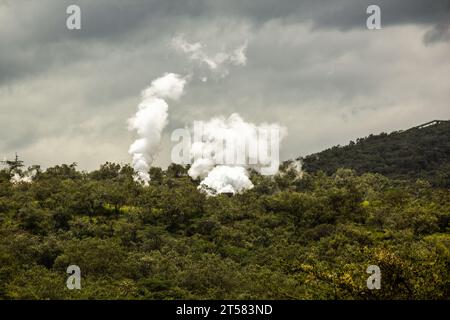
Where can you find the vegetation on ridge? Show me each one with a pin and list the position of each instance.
(290, 237)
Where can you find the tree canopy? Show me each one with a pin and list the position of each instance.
(417, 153)
(293, 236)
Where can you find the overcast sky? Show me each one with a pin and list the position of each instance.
(312, 66)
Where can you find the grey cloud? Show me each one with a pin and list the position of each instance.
(312, 66)
(342, 14)
(438, 33)
(38, 30)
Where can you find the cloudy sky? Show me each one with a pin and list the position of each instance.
(312, 66)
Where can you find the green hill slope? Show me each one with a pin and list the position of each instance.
(419, 152)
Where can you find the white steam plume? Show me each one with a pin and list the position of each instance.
(226, 147)
(216, 62)
(225, 179)
(220, 138)
(209, 155)
(151, 119)
(27, 178)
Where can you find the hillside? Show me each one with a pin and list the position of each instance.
(419, 152)
(295, 235)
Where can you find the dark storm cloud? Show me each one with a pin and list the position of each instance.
(38, 27)
(342, 14)
(347, 14)
(113, 18)
(105, 18)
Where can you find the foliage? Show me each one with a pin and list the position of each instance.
(293, 236)
(412, 154)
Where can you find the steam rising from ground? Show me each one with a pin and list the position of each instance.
(151, 119)
(228, 146)
(239, 145)
(27, 177)
(225, 179)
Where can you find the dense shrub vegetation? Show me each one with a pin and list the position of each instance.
(292, 236)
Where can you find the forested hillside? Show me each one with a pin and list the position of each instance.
(411, 154)
(293, 236)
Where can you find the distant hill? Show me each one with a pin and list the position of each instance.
(419, 152)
